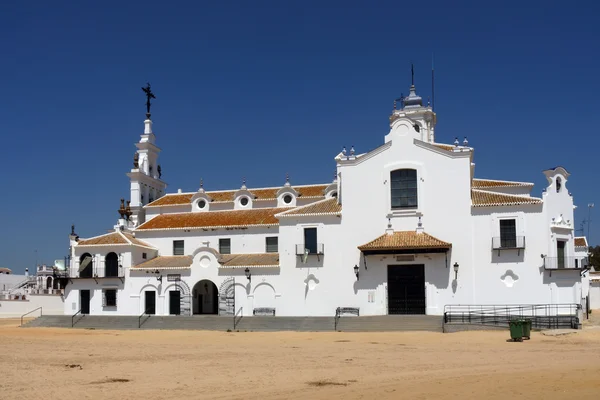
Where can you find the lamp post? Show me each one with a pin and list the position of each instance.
(248, 274)
(455, 270)
(356, 272)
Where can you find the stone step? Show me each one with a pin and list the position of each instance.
(258, 323)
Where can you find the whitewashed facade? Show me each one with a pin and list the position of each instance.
(404, 228)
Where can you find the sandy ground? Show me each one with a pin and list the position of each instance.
(44, 363)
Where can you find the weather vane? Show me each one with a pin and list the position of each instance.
(149, 95)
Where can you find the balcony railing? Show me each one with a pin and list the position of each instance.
(97, 272)
(504, 243)
(312, 249)
(577, 263)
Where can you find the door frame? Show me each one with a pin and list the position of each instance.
(146, 295)
(89, 300)
(171, 301)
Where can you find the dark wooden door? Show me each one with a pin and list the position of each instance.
(174, 302)
(406, 289)
(150, 302)
(85, 301)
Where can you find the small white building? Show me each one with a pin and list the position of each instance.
(405, 228)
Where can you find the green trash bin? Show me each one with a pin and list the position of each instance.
(516, 330)
(527, 329)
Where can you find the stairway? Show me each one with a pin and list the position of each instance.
(249, 324)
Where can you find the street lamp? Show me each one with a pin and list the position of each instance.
(455, 270)
(248, 274)
(356, 272)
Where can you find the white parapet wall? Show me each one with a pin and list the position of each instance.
(51, 305)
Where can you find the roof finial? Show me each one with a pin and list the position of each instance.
(412, 74)
(287, 180)
(149, 95)
(352, 150)
(465, 142)
(122, 211)
(201, 190)
(335, 176)
(244, 183)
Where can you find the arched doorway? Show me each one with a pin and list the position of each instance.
(86, 265)
(111, 264)
(49, 282)
(205, 298)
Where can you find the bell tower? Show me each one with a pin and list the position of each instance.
(422, 118)
(145, 176)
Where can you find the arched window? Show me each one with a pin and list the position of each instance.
(404, 188)
(86, 265)
(111, 265)
(558, 184)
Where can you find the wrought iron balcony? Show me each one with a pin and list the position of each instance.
(97, 272)
(503, 243)
(315, 248)
(574, 263)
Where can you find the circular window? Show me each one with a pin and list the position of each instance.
(287, 199)
(244, 201)
(334, 194)
(201, 204)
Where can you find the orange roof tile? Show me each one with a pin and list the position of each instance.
(581, 241)
(482, 198)
(110, 238)
(214, 219)
(447, 147)
(323, 207)
(167, 262)
(405, 240)
(489, 183)
(249, 260)
(261, 194)
(114, 238)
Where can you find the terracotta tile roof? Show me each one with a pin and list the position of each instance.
(114, 238)
(447, 147)
(405, 240)
(489, 183)
(261, 194)
(214, 219)
(249, 260)
(166, 262)
(110, 238)
(482, 198)
(581, 241)
(323, 207)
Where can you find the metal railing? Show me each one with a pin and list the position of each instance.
(27, 313)
(140, 323)
(96, 272)
(506, 243)
(237, 320)
(318, 249)
(567, 262)
(73, 322)
(344, 310)
(542, 316)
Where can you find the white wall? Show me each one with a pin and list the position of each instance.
(15, 308)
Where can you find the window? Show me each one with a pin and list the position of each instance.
(225, 246)
(558, 184)
(272, 244)
(287, 199)
(144, 256)
(109, 298)
(560, 253)
(310, 240)
(244, 201)
(178, 249)
(404, 188)
(201, 204)
(508, 233)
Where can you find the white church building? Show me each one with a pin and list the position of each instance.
(405, 228)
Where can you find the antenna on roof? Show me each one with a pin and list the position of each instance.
(432, 85)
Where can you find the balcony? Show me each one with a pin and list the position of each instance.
(563, 263)
(97, 273)
(508, 243)
(304, 250)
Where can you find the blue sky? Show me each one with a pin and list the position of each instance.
(260, 89)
